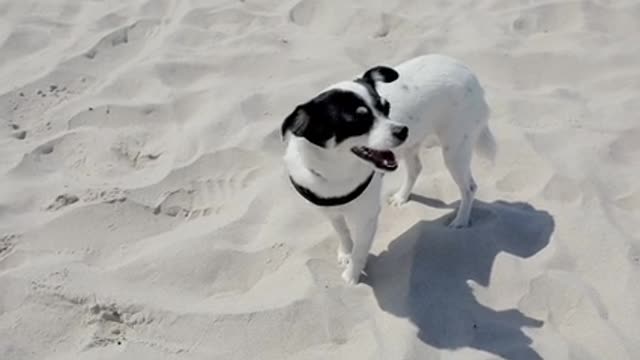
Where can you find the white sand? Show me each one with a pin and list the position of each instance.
(145, 213)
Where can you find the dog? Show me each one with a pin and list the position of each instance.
(342, 142)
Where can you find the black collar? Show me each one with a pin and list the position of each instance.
(332, 201)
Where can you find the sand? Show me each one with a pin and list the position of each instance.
(145, 212)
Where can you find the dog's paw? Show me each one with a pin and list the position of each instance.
(398, 199)
(350, 274)
(344, 258)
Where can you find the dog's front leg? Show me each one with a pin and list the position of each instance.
(346, 244)
(363, 231)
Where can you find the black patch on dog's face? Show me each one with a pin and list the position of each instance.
(382, 105)
(369, 80)
(341, 114)
(337, 114)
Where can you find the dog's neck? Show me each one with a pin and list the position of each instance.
(326, 172)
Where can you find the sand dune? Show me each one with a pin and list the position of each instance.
(145, 212)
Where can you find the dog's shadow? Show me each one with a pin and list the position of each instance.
(424, 272)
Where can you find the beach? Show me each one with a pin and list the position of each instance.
(145, 211)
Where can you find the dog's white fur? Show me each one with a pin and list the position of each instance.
(436, 97)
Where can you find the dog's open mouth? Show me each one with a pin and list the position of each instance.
(382, 159)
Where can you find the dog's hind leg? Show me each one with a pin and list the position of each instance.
(411, 160)
(458, 161)
(346, 244)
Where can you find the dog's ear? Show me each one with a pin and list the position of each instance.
(295, 123)
(380, 74)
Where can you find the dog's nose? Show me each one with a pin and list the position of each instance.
(400, 132)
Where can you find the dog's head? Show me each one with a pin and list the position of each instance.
(351, 116)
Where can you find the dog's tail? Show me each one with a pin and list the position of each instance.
(486, 145)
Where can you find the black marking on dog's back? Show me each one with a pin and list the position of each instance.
(332, 114)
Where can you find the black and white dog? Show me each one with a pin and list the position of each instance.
(344, 139)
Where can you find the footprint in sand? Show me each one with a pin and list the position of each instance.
(115, 38)
(102, 148)
(45, 149)
(204, 197)
(6, 243)
(119, 116)
(364, 20)
(204, 187)
(115, 49)
(62, 201)
(17, 133)
(551, 17)
(109, 328)
(302, 12)
(31, 105)
(95, 157)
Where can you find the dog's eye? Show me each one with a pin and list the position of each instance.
(362, 111)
